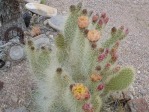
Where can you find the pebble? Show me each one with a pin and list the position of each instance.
(138, 72)
(14, 98)
(45, 22)
(16, 53)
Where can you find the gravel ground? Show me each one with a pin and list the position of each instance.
(134, 50)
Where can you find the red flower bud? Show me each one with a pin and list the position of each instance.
(87, 107)
(100, 87)
(100, 23)
(107, 51)
(103, 15)
(106, 20)
(108, 65)
(95, 18)
(101, 57)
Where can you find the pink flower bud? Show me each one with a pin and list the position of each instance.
(106, 20)
(87, 107)
(100, 87)
(108, 65)
(107, 51)
(114, 57)
(95, 18)
(103, 15)
(101, 57)
(126, 31)
(100, 23)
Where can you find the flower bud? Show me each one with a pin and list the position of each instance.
(93, 35)
(101, 57)
(113, 30)
(72, 8)
(98, 68)
(96, 77)
(114, 57)
(87, 107)
(108, 65)
(107, 51)
(93, 45)
(100, 23)
(83, 21)
(59, 70)
(95, 18)
(103, 15)
(101, 50)
(86, 31)
(106, 20)
(32, 48)
(84, 11)
(126, 32)
(100, 87)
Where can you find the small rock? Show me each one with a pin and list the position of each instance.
(41, 39)
(64, 12)
(45, 22)
(138, 105)
(16, 53)
(8, 64)
(14, 98)
(130, 93)
(47, 33)
(1, 85)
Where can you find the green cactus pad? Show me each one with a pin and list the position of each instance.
(121, 81)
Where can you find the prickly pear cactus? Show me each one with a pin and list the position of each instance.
(74, 75)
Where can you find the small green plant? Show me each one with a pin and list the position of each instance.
(78, 74)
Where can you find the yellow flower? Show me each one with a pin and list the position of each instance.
(93, 35)
(83, 21)
(80, 92)
(96, 77)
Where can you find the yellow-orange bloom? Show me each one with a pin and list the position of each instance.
(83, 21)
(80, 92)
(96, 77)
(93, 35)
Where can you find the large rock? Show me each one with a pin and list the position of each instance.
(57, 22)
(33, 1)
(138, 105)
(42, 10)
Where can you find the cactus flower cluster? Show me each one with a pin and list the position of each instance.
(81, 70)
